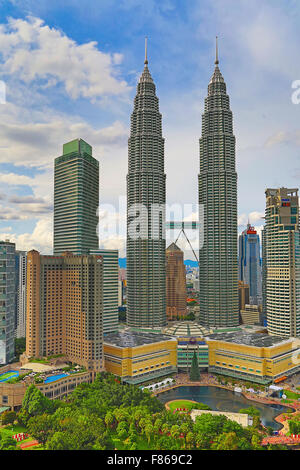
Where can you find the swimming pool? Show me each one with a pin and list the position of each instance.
(11, 374)
(53, 378)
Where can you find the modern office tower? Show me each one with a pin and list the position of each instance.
(244, 295)
(282, 262)
(64, 308)
(110, 289)
(76, 199)
(218, 272)
(176, 283)
(250, 263)
(21, 267)
(264, 277)
(7, 301)
(146, 197)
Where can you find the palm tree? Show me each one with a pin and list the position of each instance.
(148, 431)
(109, 419)
(185, 428)
(190, 440)
(165, 428)
(175, 431)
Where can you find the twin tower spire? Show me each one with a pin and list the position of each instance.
(217, 51)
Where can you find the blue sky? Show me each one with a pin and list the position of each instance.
(71, 68)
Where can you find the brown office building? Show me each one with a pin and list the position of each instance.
(64, 308)
(244, 295)
(176, 283)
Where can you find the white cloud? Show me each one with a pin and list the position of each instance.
(38, 143)
(33, 51)
(283, 137)
(40, 239)
(14, 179)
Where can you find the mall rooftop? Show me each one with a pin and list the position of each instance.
(258, 340)
(131, 339)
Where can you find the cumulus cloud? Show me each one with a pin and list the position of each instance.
(38, 143)
(40, 239)
(34, 51)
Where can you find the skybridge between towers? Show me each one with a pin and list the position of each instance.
(183, 226)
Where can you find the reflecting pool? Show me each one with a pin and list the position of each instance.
(220, 399)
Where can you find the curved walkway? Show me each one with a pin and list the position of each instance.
(29, 444)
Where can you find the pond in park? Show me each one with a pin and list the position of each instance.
(220, 399)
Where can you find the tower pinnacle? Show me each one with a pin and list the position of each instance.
(146, 59)
(217, 51)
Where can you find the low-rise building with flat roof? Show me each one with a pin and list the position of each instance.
(54, 384)
(253, 357)
(240, 418)
(137, 357)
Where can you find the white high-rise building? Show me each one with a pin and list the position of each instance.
(21, 270)
(282, 262)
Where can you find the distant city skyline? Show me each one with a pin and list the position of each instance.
(88, 93)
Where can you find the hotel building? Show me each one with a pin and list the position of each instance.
(65, 308)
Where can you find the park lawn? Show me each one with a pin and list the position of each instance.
(292, 395)
(12, 430)
(187, 404)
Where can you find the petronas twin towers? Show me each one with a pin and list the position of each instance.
(146, 198)
(146, 190)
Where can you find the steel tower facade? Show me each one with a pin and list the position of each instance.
(146, 185)
(218, 195)
(76, 199)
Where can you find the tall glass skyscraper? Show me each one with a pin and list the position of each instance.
(250, 263)
(146, 186)
(282, 262)
(7, 301)
(76, 199)
(218, 194)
